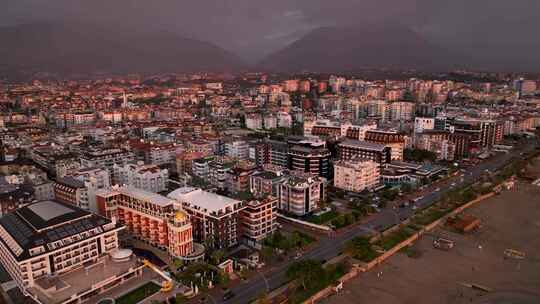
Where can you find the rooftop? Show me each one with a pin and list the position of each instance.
(208, 201)
(146, 196)
(363, 144)
(78, 281)
(43, 223)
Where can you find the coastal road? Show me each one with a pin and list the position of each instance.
(330, 246)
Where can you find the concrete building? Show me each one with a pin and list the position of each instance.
(258, 220)
(106, 158)
(390, 138)
(93, 179)
(215, 218)
(56, 161)
(58, 253)
(423, 123)
(237, 148)
(267, 182)
(150, 178)
(484, 132)
(237, 178)
(349, 149)
(70, 190)
(254, 121)
(356, 175)
(151, 218)
(301, 193)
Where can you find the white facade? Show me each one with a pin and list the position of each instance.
(237, 149)
(254, 121)
(423, 123)
(270, 122)
(94, 179)
(284, 120)
(150, 178)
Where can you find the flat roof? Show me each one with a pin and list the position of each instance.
(363, 144)
(146, 196)
(44, 214)
(48, 210)
(203, 199)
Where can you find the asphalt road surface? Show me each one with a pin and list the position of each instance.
(329, 247)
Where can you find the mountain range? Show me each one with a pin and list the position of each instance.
(83, 48)
(332, 49)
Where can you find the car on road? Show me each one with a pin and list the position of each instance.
(228, 295)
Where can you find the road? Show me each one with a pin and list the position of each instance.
(329, 247)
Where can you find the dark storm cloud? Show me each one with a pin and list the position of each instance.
(253, 28)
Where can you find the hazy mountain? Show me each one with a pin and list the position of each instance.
(352, 48)
(87, 48)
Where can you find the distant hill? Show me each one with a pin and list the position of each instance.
(331, 49)
(83, 48)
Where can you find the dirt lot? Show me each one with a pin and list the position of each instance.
(509, 221)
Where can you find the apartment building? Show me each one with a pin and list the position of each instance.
(349, 149)
(356, 174)
(215, 218)
(390, 138)
(258, 220)
(147, 177)
(267, 181)
(301, 193)
(106, 158)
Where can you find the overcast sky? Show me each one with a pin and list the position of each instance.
(253, 28)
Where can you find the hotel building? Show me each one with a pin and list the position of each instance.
(58, 253)
(151, 218)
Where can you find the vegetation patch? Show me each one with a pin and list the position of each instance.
(389, 241)
(311, 277)
(139, 294)
(361, 249)
(323, 218)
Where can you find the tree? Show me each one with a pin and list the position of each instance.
(406, 188)
(306, 273)
(267, 253)
(418, 155)
(217, 256)
(360, 248)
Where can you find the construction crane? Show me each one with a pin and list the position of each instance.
(167, 285)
